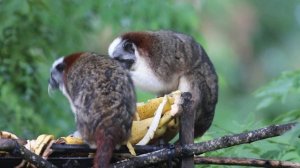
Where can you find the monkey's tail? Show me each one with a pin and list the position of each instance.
(105, 147)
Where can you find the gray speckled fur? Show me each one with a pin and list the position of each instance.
(103, 95)
(175, 55)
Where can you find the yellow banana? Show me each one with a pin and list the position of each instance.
(146, 110)
(7, 135)
(41, 143)
(172, 129)
(130, 148)
(154, 124)
(145, 113)
(140, 128)
(70, 140)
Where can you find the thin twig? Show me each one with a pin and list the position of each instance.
(244, 162)
(13, 147)
(199, 148)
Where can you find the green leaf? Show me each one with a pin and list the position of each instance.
(278, 89)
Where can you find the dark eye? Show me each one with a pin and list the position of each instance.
(60, 67)
(128, 46)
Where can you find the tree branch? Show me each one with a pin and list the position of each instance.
(199, 148)
(244, 162)
(13, 147)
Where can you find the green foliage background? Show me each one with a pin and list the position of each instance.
(253, 44)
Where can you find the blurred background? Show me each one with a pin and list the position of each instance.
(254, 46)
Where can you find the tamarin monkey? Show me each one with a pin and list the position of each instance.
(164, 61)
(102, 97)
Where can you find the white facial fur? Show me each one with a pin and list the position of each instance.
(56, 62)
(113, 45)
(62, 87)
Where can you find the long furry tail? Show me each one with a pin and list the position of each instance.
(105, 147)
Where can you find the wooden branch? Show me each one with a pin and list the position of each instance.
(199, 148)
(242, 138)
(244, 162)
(14, 148)
(186, 133)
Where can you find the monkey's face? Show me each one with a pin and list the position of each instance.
(123, 51)
(56, 76)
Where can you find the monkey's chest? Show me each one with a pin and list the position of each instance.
(149, 82)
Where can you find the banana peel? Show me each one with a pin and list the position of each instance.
(154, 124)
(167, 122)
(147, 110)
(140, 128)
(70, 140)
(7, 135)
(41, 143)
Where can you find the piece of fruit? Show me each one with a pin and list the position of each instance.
(155, 122)
(147, 110)
(41, 143)
(7, 135)
(70, 140)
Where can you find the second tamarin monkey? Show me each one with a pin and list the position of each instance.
(164, 61)
(102, 97)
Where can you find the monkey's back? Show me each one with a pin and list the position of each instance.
(104, 97)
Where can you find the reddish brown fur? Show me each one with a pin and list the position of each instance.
(69, 61)
(105, 147)
(143, 40)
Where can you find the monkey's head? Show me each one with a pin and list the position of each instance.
(58, 72)
(143, 53)
(130, 47)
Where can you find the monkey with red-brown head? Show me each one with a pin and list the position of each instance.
(165, 61)
(102, 97)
